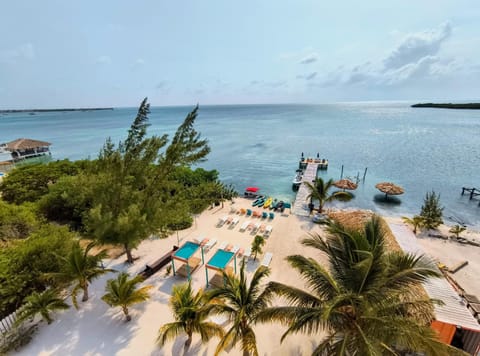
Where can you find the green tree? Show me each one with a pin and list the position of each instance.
(319, 191)
(43, 303)
(122, 292)
(17, 221)
(457, 230)
(81, 267)
(23, 264)
(190, 312)
(368, 301)
(257, 245)
(417, 222)
(431, 211)
(241, 303)
(132, 190)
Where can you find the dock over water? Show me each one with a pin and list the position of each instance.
(300, 206)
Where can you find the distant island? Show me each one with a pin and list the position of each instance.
(472, 106)
(53, 110)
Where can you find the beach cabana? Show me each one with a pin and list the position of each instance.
(25, 147)
(187, 255)
(219, 262)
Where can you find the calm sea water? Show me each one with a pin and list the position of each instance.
(419, 149)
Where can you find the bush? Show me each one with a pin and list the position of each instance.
(16, 338)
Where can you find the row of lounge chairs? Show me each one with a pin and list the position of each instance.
(256, 227)
(205, 242)
(254, 213)
(229, 220)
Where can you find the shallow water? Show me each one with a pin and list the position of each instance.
(419, 149)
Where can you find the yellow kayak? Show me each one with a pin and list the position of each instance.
(268, 202)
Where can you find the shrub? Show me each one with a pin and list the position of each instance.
(431, 211)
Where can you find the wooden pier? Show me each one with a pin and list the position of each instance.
(473, 192)
(300, 206)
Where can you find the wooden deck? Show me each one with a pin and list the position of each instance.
(300, 206)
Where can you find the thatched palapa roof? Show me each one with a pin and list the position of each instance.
(25, 144)
(389, 188)
(345, 184)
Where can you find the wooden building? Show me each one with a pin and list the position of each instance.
(22, 148)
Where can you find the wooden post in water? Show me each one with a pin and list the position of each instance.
(463, 190)
(341, 174)
(364, 174)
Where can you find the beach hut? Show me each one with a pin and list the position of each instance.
(219, 262)
(186, 255)
(22, 148)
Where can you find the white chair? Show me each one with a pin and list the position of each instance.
(244, 225)
(257, 226)
(268, 230)
(223, 245)
(235, 249)
(267, 259)
(210, 244)
(235, 221)
(247, 253)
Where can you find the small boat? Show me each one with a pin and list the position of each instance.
(268, 202)
(298, 179)
(274, 204)
(259, 201)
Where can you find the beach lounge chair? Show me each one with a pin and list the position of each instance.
(235, 249)
(264, 215)
(229, 247)
(257, 226)
(244, 226)
(247, 253)
(251, 226)
(249, 212)
(223, 245)
(257, 214)
(267, 259)
(229, 220)
(233, 210)
(235, 221)
(272, 215)
(240, 252)
(268, 230)
(242, 211)
(209, 245)
(262, 228)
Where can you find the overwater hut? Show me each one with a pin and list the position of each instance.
(22, 148)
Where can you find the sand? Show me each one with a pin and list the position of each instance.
(97, 329)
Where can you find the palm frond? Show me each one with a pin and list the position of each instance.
(169, 332)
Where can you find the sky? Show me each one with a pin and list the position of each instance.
(114, 53)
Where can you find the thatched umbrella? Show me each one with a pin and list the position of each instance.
(389, 189)
(345, 184)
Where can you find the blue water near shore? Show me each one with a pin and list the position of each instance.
(419, 149)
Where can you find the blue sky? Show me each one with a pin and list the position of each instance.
(114, 53)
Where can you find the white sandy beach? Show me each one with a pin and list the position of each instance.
(97, 329)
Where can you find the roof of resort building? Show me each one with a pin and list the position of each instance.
(454, 310)
(24, 144)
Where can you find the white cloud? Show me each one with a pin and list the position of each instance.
(417, 46)
(25, 51)
(103, 60)
(139, 62)
(313, 57)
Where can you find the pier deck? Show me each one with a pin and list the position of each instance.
(300, 206)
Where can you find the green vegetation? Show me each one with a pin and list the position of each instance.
(241, 303)
(368, 301)
(44, 303)
(431, 211)
(417, 222)
(122, 292)
(17, 221)
(457, 230)
(81, 267)
(319, 191)
(191, 312)
(257, 245)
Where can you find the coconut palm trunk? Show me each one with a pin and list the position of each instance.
(125, 311)
(85, 291)
(128, 251)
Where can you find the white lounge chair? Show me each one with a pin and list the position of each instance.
(223, 245)
(268, 230)
(267, 259)
(210, 244)
(244, 225)
(257, 226)
(222, 221)
(235, 221)
(247, 253)
(199, 239)
(235, 249)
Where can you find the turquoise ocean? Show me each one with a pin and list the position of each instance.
(260, 145)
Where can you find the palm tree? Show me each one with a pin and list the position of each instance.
(319, 191)
(457, 230)
(417, 222)
(257, 245)
(81, 267)
(368, 301)
(122, 292)
(191, 312)
(241, 303)
(43, 303)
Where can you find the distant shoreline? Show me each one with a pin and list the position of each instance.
(471, 106)
(52, 110)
